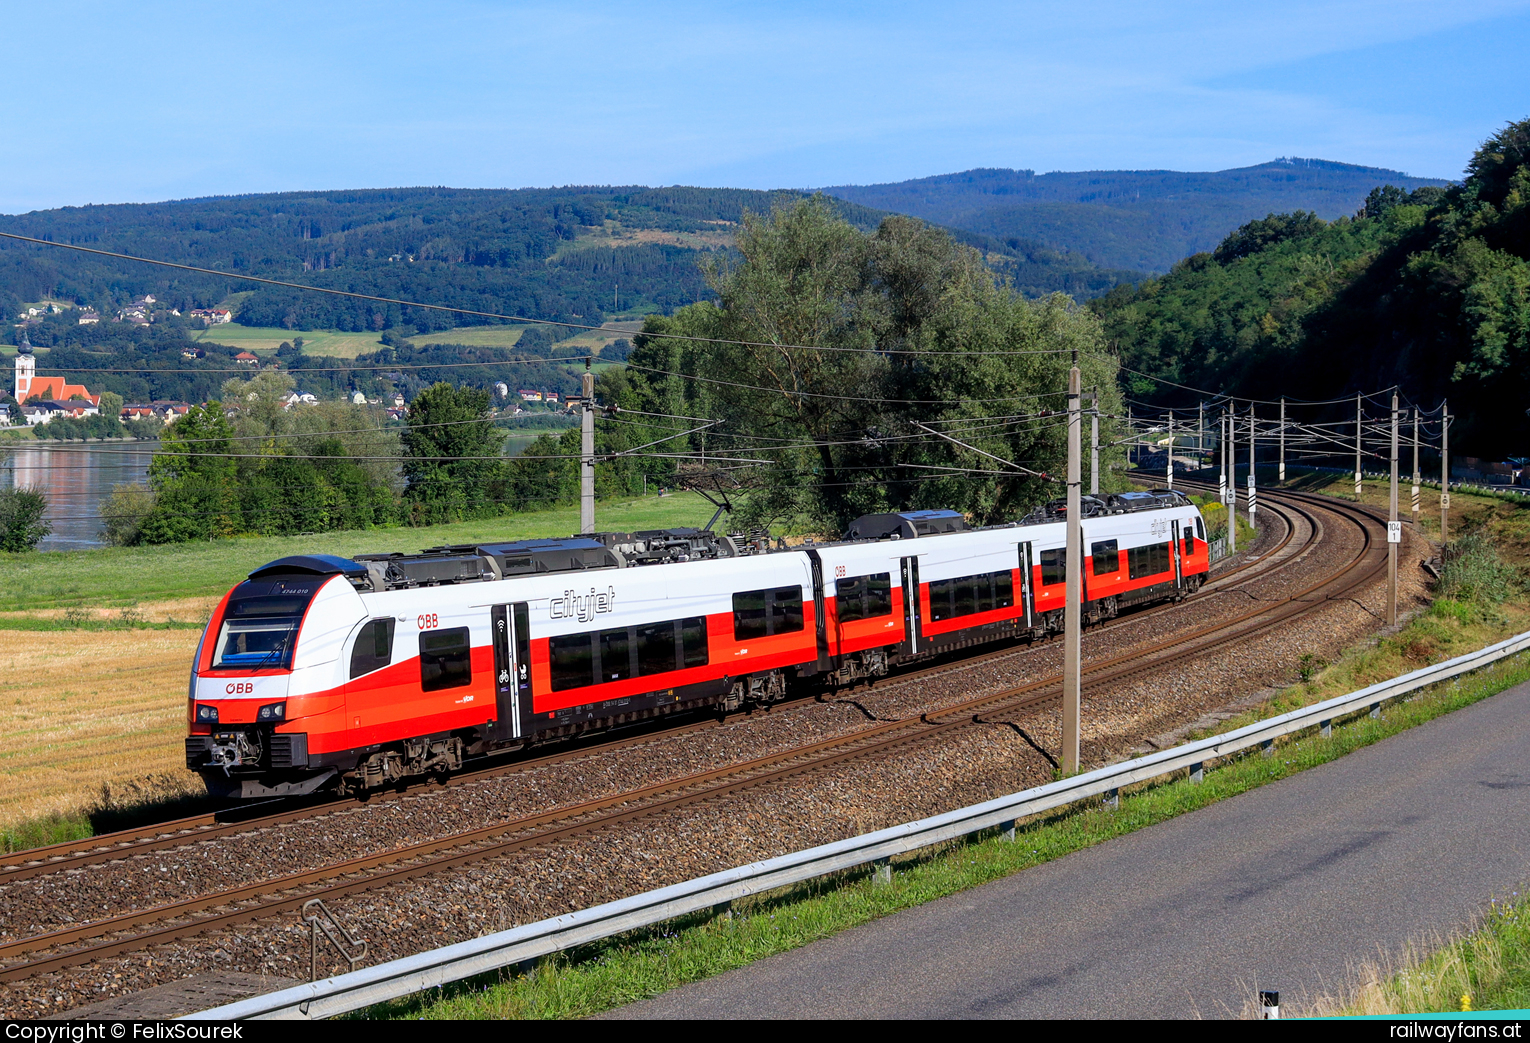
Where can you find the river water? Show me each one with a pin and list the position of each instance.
(76, 479)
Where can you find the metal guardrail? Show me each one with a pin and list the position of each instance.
(399, 978)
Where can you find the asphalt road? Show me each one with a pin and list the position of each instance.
(1283, 887)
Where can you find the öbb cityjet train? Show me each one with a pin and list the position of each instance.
(321, 672)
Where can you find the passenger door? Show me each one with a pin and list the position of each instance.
(512, 669)
(913, 633)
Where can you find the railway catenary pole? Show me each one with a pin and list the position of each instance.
(1253, 503)
(1074, 574)
(587, 451)
(1169, 465)
(1200, 436)
(1394, 527)
(1444, 471)
(1094, 443)
(1131, 440)
(1222, 459)
(1231, 452)
(1358, 438)
(1282, 474)
(1415, 467)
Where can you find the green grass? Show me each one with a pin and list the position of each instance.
(608, 974)
(266, 339)
(129, 575)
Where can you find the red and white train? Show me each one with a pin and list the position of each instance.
(321, 672)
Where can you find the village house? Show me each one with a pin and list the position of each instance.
(244, 358)
(530, 396)
(88, 317)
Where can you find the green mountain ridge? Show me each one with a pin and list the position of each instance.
(1129, 219)
(556, 253)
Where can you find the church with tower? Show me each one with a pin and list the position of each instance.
(30, 386)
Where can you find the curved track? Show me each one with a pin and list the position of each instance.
(81, 943)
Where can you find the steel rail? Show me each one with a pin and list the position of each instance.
(725, 781)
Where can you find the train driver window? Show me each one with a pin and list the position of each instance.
(1106, 557)
(445, 659)
(1200, 530)
(374, 647)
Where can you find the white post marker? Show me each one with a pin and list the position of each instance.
(1269, 1005)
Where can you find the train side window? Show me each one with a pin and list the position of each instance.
(941, 591)
(761, 613)
(966, 596)
(1004, 589)
(693, 641)
(374, 647)
(749, 619)
(1107, 557)
(572, 661)
(879, 594)
(850, 598)
(864, 597)
(446, 659)
(786, 610)
(655, 648)
(1151, 560)
(1054, 566)
(615, 658)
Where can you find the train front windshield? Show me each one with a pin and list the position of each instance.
(260, 625)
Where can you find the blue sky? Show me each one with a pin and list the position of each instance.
(160, 100)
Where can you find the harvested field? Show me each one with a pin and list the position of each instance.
(87, 709)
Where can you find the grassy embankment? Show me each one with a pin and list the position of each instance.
(1487, 603)
(94, 646)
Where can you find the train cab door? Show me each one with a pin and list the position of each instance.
(1027, 596)
(512, 668)
(913, 631)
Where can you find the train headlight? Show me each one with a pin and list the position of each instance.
(206, 714)
(272, 712)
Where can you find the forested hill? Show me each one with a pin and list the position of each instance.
(561, 253)
(1428, 290)
(1133, 219)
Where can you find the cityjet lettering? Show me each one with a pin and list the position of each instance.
(584, 607)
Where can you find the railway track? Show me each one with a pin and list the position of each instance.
(75, 854)
(103, 938)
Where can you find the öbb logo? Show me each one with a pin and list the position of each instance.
(239, 688)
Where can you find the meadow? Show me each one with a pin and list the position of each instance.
(264, 340)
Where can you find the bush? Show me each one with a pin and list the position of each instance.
(1473, 570)
(123, 514)
(21, 524)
